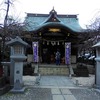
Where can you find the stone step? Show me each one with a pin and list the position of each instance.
(53, 70)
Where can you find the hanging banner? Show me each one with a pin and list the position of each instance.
(68, 53)
(35, 51)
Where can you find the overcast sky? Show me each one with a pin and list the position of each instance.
(85, 8)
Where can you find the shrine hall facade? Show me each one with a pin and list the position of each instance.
(52, 31)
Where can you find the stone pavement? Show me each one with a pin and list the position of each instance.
(74, 94)
(56, 81)
(62, 94)
(53, 88)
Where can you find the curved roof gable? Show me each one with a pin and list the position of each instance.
(52, 17)
(36, 21)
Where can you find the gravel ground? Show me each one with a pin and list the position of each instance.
(84, 81)
(85, 94)
(30, 94)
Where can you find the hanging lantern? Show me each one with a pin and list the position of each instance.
(62, 43)
(54, 43)
(43, 42)
(47, 43)
(68, 34)
(58, 43)
(51, 42)
(40, 33)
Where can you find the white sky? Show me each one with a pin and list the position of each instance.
(86, 9)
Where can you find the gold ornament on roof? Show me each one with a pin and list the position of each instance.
(54, 30)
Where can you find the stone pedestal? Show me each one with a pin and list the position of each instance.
(97, 73)
(18, 73)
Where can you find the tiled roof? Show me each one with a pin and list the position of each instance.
(36, 21)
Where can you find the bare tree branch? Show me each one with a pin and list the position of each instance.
(10, 28)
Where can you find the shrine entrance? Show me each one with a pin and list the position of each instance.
(49, 50)
(53, 38)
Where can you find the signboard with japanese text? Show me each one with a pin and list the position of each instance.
(35, 51)
(68, 53)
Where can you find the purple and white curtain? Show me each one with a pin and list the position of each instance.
(35, 51)
(68, 53)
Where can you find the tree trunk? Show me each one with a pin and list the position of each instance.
(5, 29)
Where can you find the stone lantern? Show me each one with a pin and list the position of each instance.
(16, 69)
(97, 59)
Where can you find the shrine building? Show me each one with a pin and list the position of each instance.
(52, 31)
